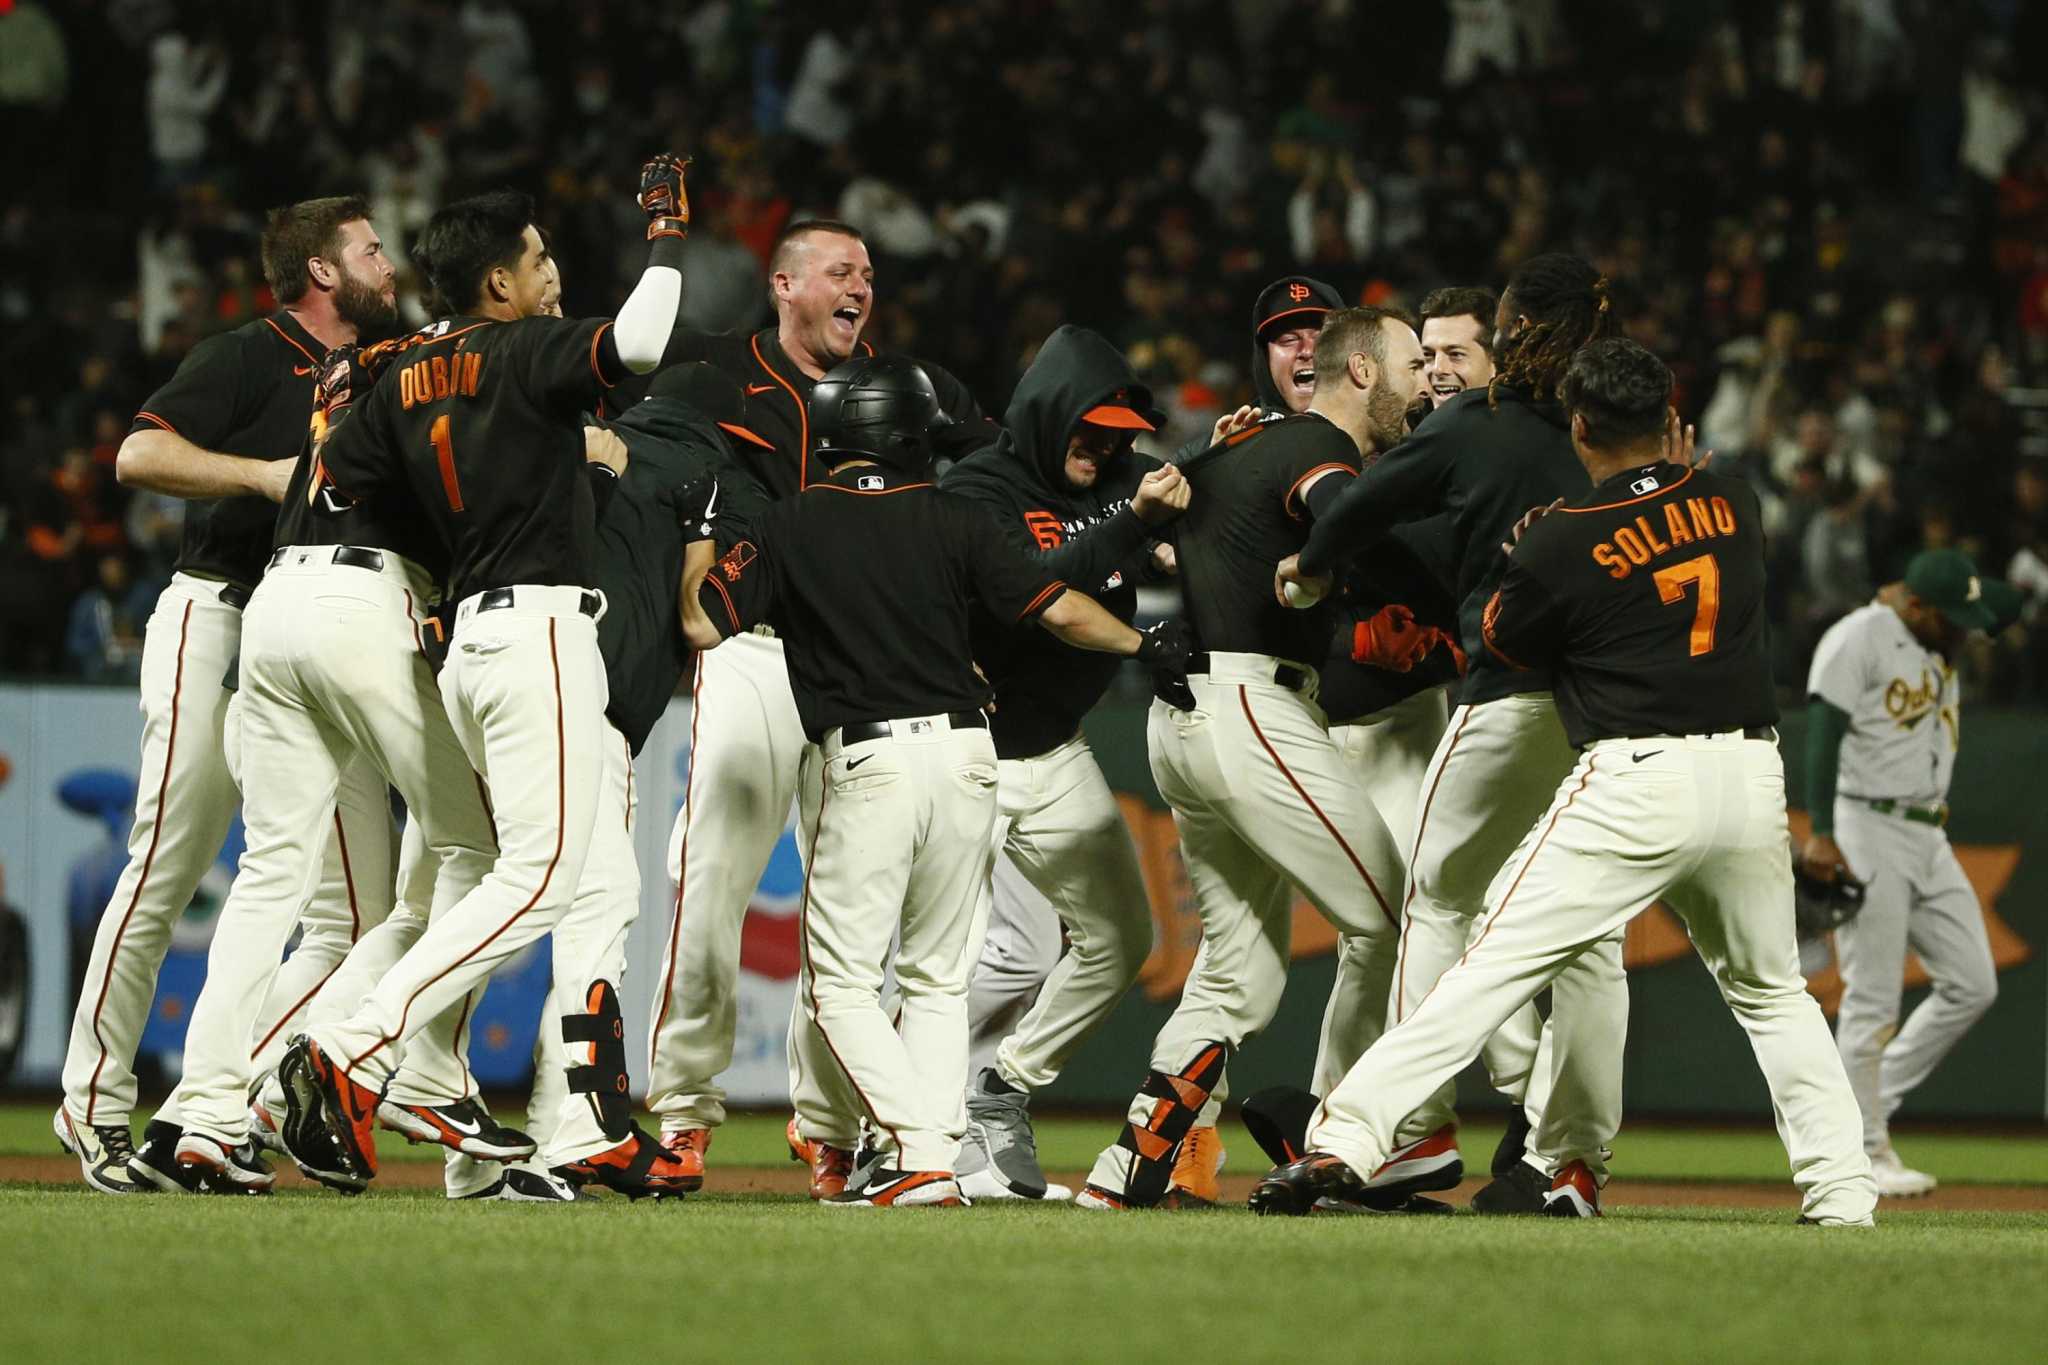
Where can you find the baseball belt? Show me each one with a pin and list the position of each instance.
(1935, 814)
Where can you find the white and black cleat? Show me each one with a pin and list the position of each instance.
(103, 1151)
(156, 1161)
(221, 1169)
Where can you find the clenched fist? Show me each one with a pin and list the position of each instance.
(663, 197)
(1162, 495)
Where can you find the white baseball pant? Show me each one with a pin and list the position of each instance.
(1699, 821)
(331, 669)
(1262, 800)
(1916, 895)
(1489, 781)
(185, 800)
(1060, 833)
(745, 745)
(1387, 754)
(896, 836)
(524, 690)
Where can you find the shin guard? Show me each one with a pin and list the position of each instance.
(601, 1080)
(1177, 1102)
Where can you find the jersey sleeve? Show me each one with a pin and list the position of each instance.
(739, 591)
(1524, 622)
(571, 363)
(205, 400)
(1840, 672)
(1004, 578)
(1320, 450)
(358, 461)
(1404, 484)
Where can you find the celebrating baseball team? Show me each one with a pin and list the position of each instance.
(1472, 656)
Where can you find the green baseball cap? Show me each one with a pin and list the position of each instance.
(2004, 601)
(1947, 580)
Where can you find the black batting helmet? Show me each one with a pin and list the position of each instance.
(881, 408)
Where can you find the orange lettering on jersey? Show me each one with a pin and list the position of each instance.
(1045, 529)
(1657, 547)
(1616, 566)
(1724, 516)
(1702, 519)
(735, 561)
(472, 367)
(1632, 545)
(440, 364)
(1674, 522)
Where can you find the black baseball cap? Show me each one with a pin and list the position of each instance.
(1291, 302)
(1948, 581)
(710, 391)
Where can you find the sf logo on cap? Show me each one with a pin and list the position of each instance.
(1297, 292)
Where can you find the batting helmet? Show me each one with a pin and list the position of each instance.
(881, 408)
(1819, 906)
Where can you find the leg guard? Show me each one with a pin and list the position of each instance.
(1178, 1100)
(602, 1079)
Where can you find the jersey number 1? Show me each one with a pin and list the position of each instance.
(1671, 588)
(444, 452)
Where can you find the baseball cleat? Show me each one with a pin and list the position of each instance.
(1295, 1189)
(264, 1129)
(1895, 1179)
(999, 1153)
(1807, 1221)
(465, 1126)
(1514, 1143)
(1414, 1204)
(103, 1151)
(1520, 1189)
(890, 1188)
(1098, 1200)
(1574, 1193)
(330, 1129)
(1195, 1168)
(639, 1168)
(522, 1185)
(221, 1169)
(156, 1161)
(1430, 1163)
(686, 1147)
(830, 1166)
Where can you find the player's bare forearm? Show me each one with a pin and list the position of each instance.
(1083, 622)
(165, 462)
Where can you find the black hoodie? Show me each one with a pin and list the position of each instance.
(1089, 537)
(673, 451)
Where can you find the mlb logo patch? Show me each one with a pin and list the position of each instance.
(1647, 484)
(870, 483)
(920, 727)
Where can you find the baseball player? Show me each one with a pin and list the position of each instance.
(1884, 716)
(874, 571)
(1645, 596)
(223, 433)
(1457, 341)
(745, 741)
(1487, 456)
(481, 425)
(1259, 793)
(1070, 492)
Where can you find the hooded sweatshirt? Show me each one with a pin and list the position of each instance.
(1089, 537)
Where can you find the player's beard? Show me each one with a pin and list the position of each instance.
(1386, 418)
(363, 308)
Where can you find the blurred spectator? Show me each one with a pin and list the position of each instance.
(186, 81)
(104, 640)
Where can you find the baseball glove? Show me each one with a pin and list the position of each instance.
(1819, 906)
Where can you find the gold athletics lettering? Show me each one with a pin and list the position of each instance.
(1909, 705)
(438, 377)
(1639, 542)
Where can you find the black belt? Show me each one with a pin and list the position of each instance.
(1932, 813)
(879, 729)
(354, 556)
(502, 597)
(234, 595)
(1764, 732)
(1286, 675)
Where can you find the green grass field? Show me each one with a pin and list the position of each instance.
(307, 1276)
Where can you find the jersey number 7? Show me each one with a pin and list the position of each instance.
(1671, 588)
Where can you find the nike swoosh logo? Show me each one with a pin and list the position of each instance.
(466, 1129)
(302, 369)
(853, 763)
(753, 389)
(1637, 758)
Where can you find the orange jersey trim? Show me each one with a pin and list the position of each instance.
(157, 421)
(310, 357)
(1630, 502)
(803, 414)
(1051, 590)
(1293, 498)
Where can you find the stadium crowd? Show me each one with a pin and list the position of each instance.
(1829, 216)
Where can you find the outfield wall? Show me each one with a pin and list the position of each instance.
(1685, 1054)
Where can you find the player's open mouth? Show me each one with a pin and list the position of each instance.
(847, 317)
(1446, 388)
(1305, 378)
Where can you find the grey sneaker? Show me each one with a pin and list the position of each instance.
(999, 1155)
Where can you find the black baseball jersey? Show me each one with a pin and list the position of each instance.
(869, 578)
(1395, 570)
(678, 462)
(1485, 459)
(400, 525)
(1646, 599)
(482, 423)
(778, 404)
(247, 392)
(1246, 516)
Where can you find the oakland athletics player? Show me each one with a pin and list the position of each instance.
(223, 432)
(1645, 596)
(1884, 717)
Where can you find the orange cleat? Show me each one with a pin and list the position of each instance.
(830, 1166)
(1195, 1168)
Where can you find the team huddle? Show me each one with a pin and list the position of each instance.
(472, 565)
